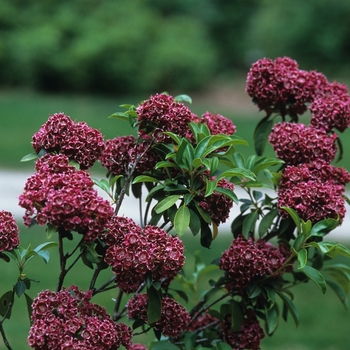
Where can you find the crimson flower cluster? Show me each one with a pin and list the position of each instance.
(122, 152)
(247, 337)
(9, 233)
(247, 259)
(280, 86)
(296, 143)
(134, 251)
(218, 205)
(173, 319)
(162, 113)
(68, 320)
(64, 197)
(217, 123)
(78, 141)
(314, 190)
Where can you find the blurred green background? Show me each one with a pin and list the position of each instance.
(85, 58)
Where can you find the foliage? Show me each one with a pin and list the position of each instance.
(190, 169)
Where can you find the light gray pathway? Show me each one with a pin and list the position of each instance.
(12, 184)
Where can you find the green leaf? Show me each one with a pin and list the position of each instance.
(45, 255)
(290, 307)
(331, 249)
(306, 227)
(29, 302)
(236, 316)
(50, 230)
(249, 223)
(4, 257)
(205, 216)
(20, 288)
(182, 220)
(302, 257)
(103, 184)
(316, 277)
(163, 345)
(45, 246)
(238, 172)
(165, 164)
(272, 318)
(183, 98)
(30, 156)
(201, 147)
(154, 305)
(166, 203)
(266, 221)
(293, 214)
(341, 294)
(5, 302)
(265, 163)
(119, 115)
(195, 222)
(206, 236)
(323, 227)
(144, 178)
(210, 187)
(261, 134)
(228, 193)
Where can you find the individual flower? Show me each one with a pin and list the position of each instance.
(162, 113)
(218, 124)
(121, 153)
(331, 112)
(66, 200)
(217, 205)
(248, 336)
(78, 141)
(247, 259)
(132, 252)
(315, 191)
(296, 143)
(173, 319)
(9, 233)
(280, 86)
(68, 320)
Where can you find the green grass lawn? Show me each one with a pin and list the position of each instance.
(324, 323)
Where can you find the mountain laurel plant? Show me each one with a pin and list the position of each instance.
(188, 168)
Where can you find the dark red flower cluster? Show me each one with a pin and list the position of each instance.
(120, 154)
(135, 251)
(64, 197)
(9, 233)
(249, 335)
(173, 319)
(78, 141)
(218, 205)
(68, 320)
(247, 259)
(296, 143)
(137, 346)
(161, 113)
(218, 124)
(202, 321)
(279, 85)
(314, 191)
(331, 112)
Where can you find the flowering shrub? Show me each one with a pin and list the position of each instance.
(190, 169)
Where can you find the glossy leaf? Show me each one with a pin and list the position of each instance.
(272, 318)
(154, 305)
(120, 116)
(341, 294)
(144, 178)
(245, 173)
(29, 157)
(331, 249)
(323, 227)
(290, 307)
(228, 193)
(302, 257)
(315, 276)
(249, 223)
(261, 134)
(195, 223)
(29, 302)
(5, 302)
(266, 221)
(293, 214)
(182, 220)
(166, 203)
(236, 316)
(183, 98)
(20, 288)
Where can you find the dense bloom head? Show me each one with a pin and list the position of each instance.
(247, 337)
(161, 113)
(202, 322)
(68, 320)
(331, 112)
(247, 259)
(218, 205)
(218, 124)
(280, 86)
(122, 152)
(134, 252)
(77, 141)
(173, 319)
(314, 191)
(9, 233)
(296, 143)
(65, 199)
